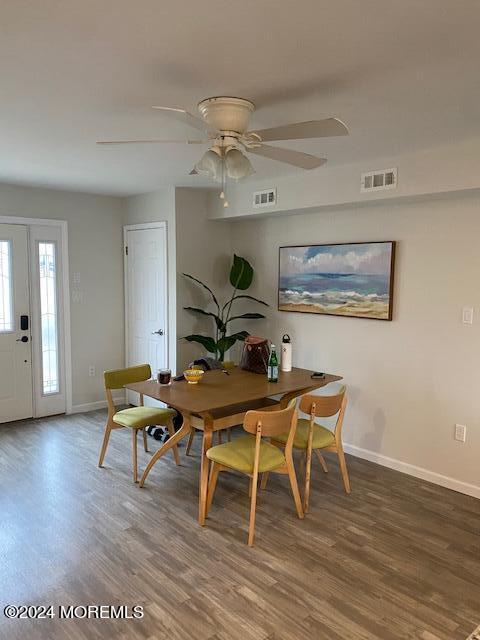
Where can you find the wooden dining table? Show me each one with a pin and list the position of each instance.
(219, 401)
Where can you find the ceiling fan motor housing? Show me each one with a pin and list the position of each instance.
(228, 115)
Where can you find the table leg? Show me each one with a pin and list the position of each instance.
(183, 432)
(206, 444)
(284, 400)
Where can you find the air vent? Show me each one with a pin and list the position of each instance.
(265, 198)
(379, 180)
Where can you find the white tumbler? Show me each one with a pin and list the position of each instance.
(286, 353)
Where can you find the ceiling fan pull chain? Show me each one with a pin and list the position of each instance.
(223, 193)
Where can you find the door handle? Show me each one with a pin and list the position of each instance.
(22, 339)
(159, 332)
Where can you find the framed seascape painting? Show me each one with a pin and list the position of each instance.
(354, 279)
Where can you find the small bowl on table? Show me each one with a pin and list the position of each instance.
(193, 376)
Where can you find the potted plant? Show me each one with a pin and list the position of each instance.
(241, 276)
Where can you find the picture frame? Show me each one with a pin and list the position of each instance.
(351, 279)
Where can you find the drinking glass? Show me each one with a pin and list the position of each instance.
(164, 376)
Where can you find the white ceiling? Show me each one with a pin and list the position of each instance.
(404, 75)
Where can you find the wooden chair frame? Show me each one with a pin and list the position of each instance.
(268, 424)
(322, 407)
(110, 425)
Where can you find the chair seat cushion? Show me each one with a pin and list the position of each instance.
(138, 417)
(322, 437)
(239, 455)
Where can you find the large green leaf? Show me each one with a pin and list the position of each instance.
(209, 343)
(218, 321)
(245, 297)
(240, 335)
(247, 316)
(241, 273)
(202, 284)
(225, 343)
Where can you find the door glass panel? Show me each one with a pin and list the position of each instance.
(6, 310)
(48, 317)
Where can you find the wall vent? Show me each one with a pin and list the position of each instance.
(265, 198)
(379, 180)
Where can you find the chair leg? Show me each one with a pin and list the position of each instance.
(308, 470)
(144, 433)
(103, 451)
(204, 471)
(219, 436)
(190, 441)
(171, 431)
(250, 482)
(321, 459)
(263, 483)
(253, 508)
(343, 469)
(134, 454)
(294, 485)
(229, 435)
(214, 471)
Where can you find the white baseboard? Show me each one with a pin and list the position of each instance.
(412, 470)
(93, 406)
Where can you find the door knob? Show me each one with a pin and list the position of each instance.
(159, 332)
(22, 339)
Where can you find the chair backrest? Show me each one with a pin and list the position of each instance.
(323, 406)
(272, 423)
(118, 378)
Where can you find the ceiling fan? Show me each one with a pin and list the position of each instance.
(224, 120)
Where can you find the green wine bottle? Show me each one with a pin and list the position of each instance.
(272, 371)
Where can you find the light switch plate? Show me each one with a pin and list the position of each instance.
(467, 315)
(460, 432)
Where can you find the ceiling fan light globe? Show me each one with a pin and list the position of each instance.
(237, 165)
(211, 164)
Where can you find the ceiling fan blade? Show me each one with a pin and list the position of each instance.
(300, 130)
(152, 141)
(289, 156)
(187, 118)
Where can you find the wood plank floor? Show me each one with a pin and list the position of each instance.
(399, 558)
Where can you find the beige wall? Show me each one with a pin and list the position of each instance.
(95, 252)
(447, 169)
(203, 251)
(409, 380)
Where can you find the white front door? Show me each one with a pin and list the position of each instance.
(146, 297)
(32, 369)
(16, 394)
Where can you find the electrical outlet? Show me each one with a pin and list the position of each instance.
(91, 370)
(460, 432)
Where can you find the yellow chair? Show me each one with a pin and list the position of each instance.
(251, 455)
(311, 436)
(135, 418)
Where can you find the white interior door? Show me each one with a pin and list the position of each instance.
(146, 297)
(16, 395)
